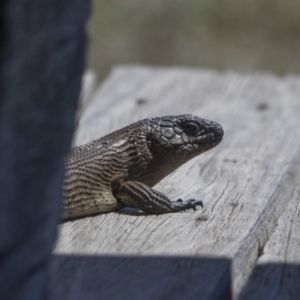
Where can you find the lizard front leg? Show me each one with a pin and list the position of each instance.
(139, 195)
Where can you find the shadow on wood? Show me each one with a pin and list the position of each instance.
(132, 277)
(273, 281)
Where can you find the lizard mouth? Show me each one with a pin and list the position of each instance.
(197, 148)
(217, 139)
(207, 144)
(211, 139)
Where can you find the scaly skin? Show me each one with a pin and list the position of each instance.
(120, 168)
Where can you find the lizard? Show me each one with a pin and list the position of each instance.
(121, 168)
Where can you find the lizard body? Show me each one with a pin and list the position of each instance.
(120, 168)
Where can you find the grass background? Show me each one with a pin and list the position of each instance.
(244, 35)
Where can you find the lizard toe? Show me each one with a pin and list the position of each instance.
(192, 203)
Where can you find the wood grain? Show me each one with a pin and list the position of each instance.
(245, 182)
(277, 273)
(88, 86)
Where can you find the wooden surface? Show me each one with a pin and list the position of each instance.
(245, 184)
(277, 273)
(88, 86)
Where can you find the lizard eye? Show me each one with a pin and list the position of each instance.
(191, 127)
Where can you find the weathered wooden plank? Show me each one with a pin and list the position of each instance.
(88, 86)
(244, 183)
(277, 274)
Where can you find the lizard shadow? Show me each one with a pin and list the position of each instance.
(123, 211)
(130, 211)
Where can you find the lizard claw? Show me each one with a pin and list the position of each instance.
(192, 203)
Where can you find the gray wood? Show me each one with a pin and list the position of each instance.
(88, 86)
(245, 184)
(277, 273)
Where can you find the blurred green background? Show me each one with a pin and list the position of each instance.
(244, 35)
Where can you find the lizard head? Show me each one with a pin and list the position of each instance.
(183, 137)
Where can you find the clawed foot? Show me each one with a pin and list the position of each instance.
(191, 203)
